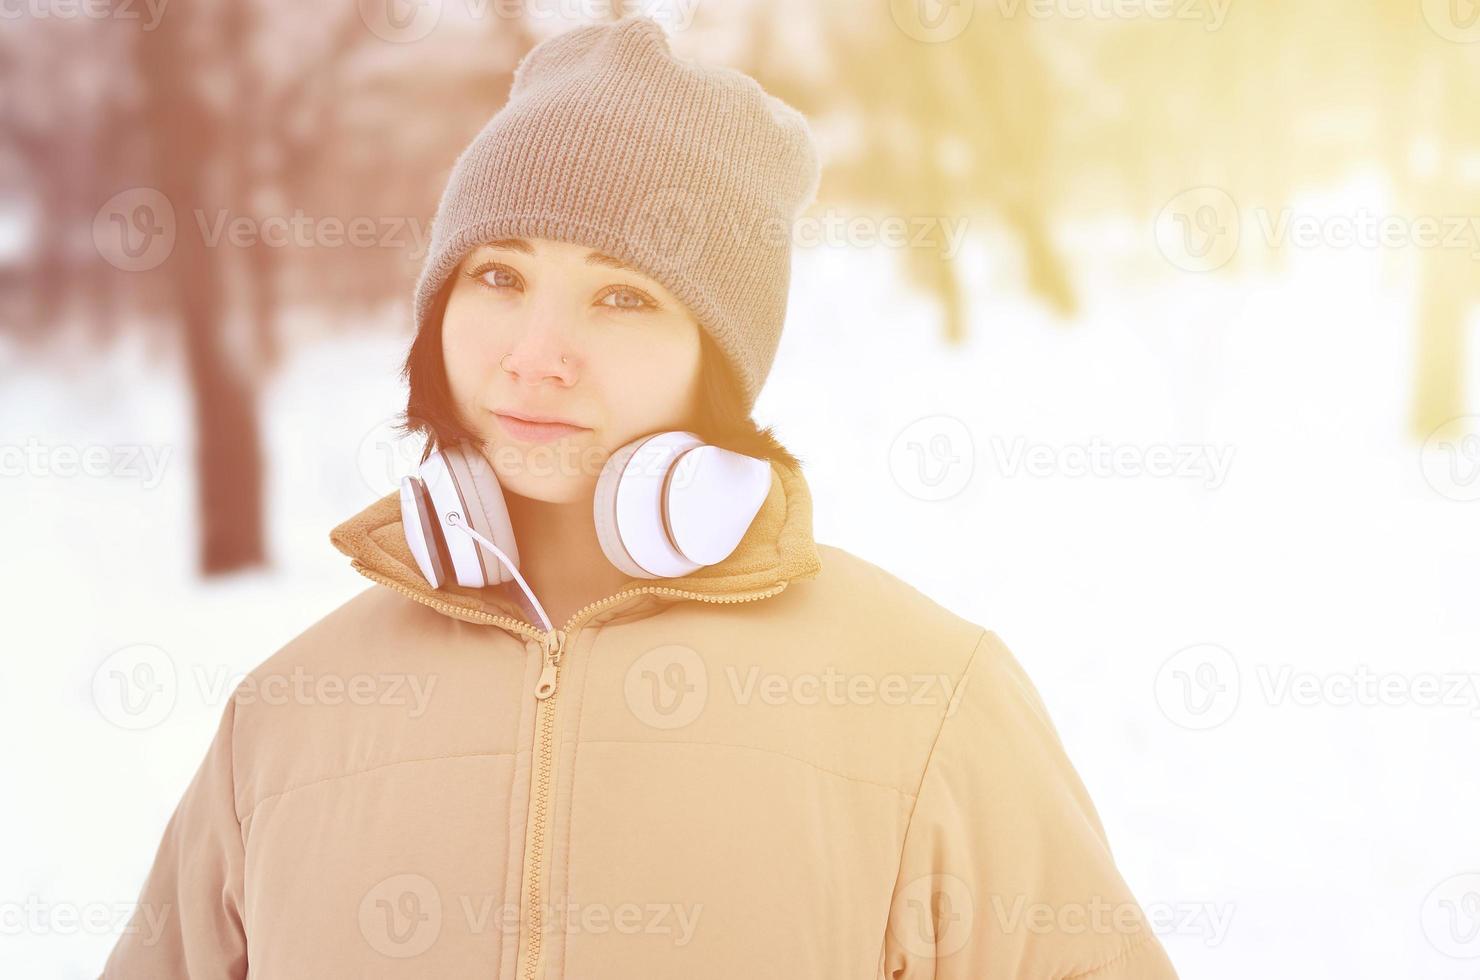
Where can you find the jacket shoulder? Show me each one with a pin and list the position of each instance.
(870, 596)
(350, 634)
(366, 671)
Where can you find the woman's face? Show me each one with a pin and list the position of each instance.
(582, 338)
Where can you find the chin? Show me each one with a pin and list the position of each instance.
(549, 473)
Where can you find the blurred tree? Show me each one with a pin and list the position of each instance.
(960, 129)
(187, 137)
(233, 128)
(1441, 179)
(1022, 122)
(1288, 98)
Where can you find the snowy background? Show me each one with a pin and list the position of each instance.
(1170, 621)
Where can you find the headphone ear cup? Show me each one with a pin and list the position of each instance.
(710, 499)
(453, 482)
(485, 510)
(423, 534)
(668, 504)
(604, 510)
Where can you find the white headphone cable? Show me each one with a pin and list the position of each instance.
(455, 519)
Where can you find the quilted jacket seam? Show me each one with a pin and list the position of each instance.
(370, 769)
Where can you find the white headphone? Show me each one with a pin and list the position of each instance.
(665, 505)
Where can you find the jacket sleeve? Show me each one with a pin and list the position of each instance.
(1006, 871)
(188, 920)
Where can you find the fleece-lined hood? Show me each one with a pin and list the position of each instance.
(777, 549)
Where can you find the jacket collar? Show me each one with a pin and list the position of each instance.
(777, 549)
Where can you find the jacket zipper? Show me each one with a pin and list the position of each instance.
(553, 644)
(554, 647)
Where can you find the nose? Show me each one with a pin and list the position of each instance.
(538, 356)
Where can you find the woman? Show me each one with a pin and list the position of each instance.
(784, 763)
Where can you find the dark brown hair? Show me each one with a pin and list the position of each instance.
(718, 416)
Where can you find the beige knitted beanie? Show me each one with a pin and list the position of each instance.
(692, 174)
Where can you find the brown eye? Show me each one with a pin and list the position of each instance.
(502, 276)
(628, 298)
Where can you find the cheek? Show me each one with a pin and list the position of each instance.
(466, 355)
(648, 381)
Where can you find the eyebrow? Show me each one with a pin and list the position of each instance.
(595, 258)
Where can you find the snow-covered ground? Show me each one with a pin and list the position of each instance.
(1210, 641)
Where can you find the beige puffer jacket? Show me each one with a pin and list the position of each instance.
(790, 764)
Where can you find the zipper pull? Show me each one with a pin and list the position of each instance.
(554, 645)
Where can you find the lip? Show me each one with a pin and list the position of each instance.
(537, 429)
